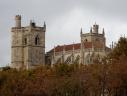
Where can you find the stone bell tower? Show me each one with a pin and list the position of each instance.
(96, 41)
(28, 45)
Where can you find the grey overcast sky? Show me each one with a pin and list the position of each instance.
(64, 18)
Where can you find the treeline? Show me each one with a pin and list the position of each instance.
(108, 78)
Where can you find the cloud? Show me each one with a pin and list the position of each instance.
(64, 18)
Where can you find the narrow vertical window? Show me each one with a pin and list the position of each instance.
(25, 41)
(37, 40)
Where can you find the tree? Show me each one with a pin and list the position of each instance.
(120, 48)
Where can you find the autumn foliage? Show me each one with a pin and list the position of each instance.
(108, 78)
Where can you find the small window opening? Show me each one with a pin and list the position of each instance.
(25, 41)
(37, 40)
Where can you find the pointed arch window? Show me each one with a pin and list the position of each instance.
(25, 41)
(37, 40)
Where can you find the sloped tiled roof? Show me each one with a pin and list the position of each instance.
(76, 46)
(67, 47)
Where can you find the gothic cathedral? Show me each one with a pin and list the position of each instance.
(90, 50)
(28, 47)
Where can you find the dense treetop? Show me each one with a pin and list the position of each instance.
(99, 79)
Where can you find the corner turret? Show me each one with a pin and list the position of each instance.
(18, 21)
(103, 32)
(44, 26)
(32, 23)
(91, 30)
(95, 28)
(81, 31)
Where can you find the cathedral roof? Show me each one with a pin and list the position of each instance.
(76, 46)
(67, 47)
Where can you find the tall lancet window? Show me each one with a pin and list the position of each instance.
(25, 41)
(37, 40)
